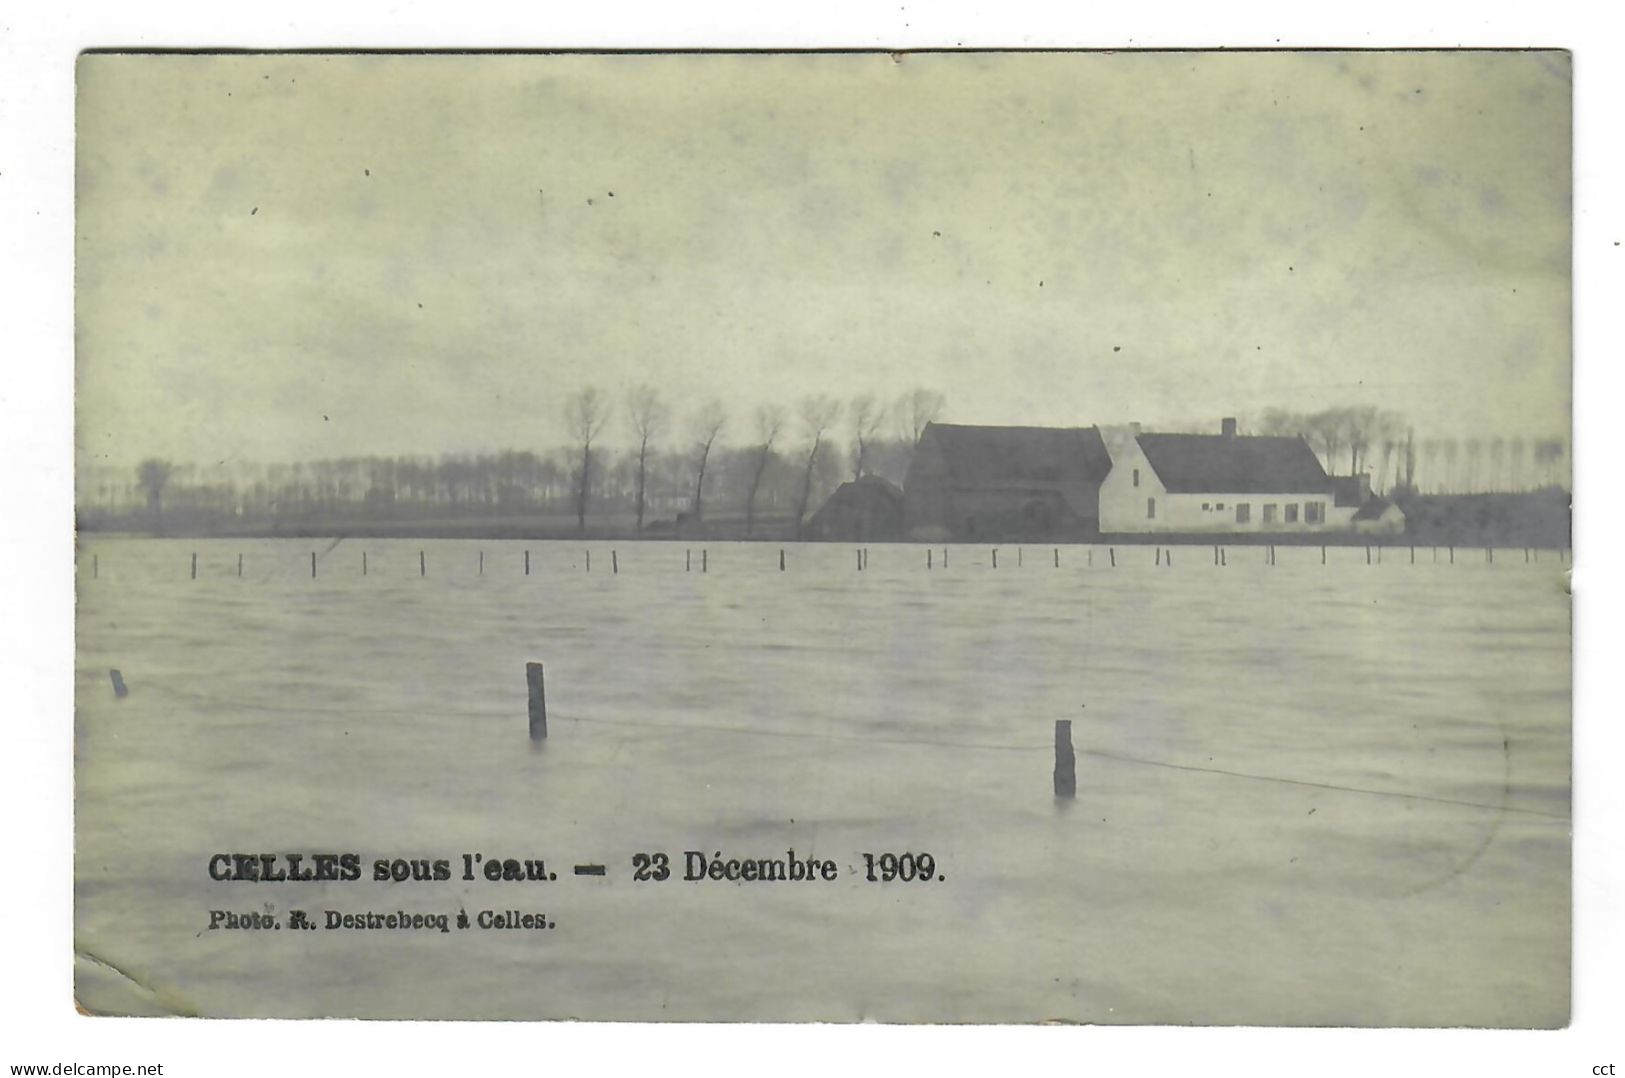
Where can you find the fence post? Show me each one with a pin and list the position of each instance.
(313, 565)
(120, 690)
(781, 559)
(614, 562)
(1111, 552)
(96, 566)
(423, 566)
(363, 564)
(538, 701)
(1066, 772)
(995, 557)
(1057, 557)
(928, 553)
(240, 564)
(194, 565)
(705, 560)
(688, 559)
(482, 563)
(589, 561)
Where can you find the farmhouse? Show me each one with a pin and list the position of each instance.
(1005, 482)
(1032, 482)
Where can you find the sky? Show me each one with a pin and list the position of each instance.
(293, 257)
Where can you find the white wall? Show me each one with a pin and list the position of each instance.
(1123, 506)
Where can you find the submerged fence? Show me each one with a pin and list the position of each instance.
(764, 556)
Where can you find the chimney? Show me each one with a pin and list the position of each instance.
(1227, 427)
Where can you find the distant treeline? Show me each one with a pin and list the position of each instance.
(664, 475)
(707, 471)
(1363, 438)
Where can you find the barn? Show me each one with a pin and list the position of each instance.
(1005, 483)
(866, 508)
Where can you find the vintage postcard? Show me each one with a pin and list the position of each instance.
(930, 537)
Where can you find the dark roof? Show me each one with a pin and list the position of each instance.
(1195, 463)
(869, 486)
(1350, 490)
(1373, 509)
(1021, 454)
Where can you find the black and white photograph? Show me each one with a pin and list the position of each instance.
(919, 537)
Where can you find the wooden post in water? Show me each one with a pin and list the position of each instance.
(995, 557)
(1323, 554)
(96, 566)
(1489, 555)
(928, 553)
(688, 559)
(313, 565)
(781, 559)
(1066, 761)
(363, 564)
(1111, 552)
(1019, 552)
(1057, 557)
(120, 690)
(1368, 555)
(482, 563)
(423, 566)
(859, 555)
(1091, 557)
(614, 562)
(1168, 558)
(1159, 555)
(240, 564)
(194, 565)
(1224, 556)
(589, 561)
(527, 563)
(1413, 555)
(705, 560)
(538, 701)
(1452, 555)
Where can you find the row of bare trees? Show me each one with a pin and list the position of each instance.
(649, 421)
(1365, 438)
(671, 464)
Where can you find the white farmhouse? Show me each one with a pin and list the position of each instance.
(1230, 483)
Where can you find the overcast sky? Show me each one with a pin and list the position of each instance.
(293, 257)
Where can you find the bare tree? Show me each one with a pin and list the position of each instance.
(914, 410)
(1474, 448)
(1326, 432)
(769, 425)
(1517, 454)
(866, 416)
(708, 424)
(585, 413)
(647, 415)
(818, 414)
(152, 475)
(1497, 453)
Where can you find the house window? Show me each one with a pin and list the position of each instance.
(1206, 507)
(1244, 513)
(1269, 512)
(1219, 507)
(1314, 512)
(1151, 509)
(1292, 513)
(1136, 477)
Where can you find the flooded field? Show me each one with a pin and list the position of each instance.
(1307, 794)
